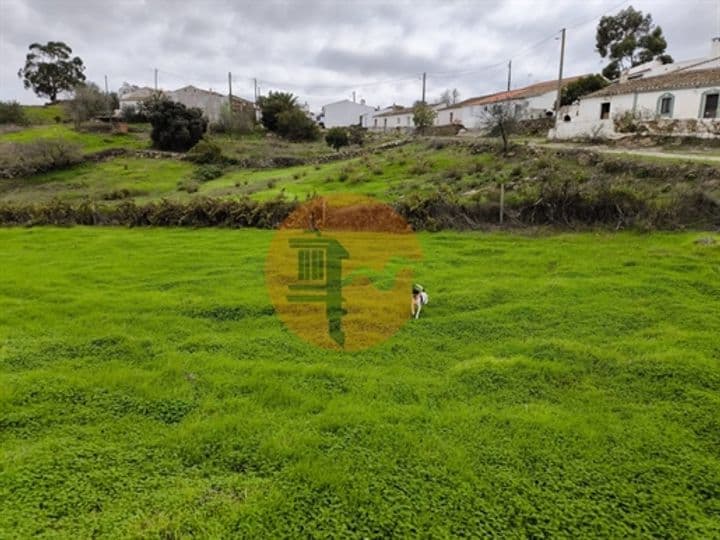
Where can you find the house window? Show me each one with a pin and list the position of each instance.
(375, 122)
(709, 104)
(604, 111)
(451, 118)
(408, 120)
(398, 119)
(665, 105)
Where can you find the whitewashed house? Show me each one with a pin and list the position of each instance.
(344, 113)
(670, 99)
(133, 96)
(529, 102)
(395, 118)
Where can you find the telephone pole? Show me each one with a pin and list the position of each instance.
(230, 103)
(509, 73)
(423, 91)
(255, 93)
(156, 74)
(107, 98)
(560, 76)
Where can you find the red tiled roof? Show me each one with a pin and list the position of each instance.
(682, 78)
(533, 90)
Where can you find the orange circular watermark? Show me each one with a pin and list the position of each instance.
(339, 271)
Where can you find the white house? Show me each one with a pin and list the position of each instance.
(669, 99)
(534, 101)
(682, 102)
(344, 113)
(133, 96)
(394, 118)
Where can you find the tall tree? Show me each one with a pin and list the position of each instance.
(273, 105)
(50, 69)
(581, 87)
(628, 39)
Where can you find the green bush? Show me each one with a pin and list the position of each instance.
(205, 152)
(133, 114)
(11, 112)
(205, 173)
(274, 104)
(174, 127)
(356, 134)
(294, 125)
(337, 137)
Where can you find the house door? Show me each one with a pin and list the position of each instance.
(711, 106)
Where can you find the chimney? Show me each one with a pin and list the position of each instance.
(362, 101)
(715, 47)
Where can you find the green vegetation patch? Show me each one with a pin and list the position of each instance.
(560, 386)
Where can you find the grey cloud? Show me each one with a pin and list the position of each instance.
(320, 48)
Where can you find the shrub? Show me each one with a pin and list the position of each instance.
(237, 123)
(174, 126)
(294, 125)
(133, 114)
(205, 173)
(273, 105)
(337, 137)
(356, 134)
(205, 152)
(38, 156)
(88, 102)
(11, 112)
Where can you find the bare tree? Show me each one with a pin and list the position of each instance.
(450, 97)
(500, 120)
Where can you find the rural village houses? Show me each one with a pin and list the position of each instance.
(209, 102)
(680, 98)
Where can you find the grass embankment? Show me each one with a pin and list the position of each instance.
(88, 141)
(557, 386)
(45, 114)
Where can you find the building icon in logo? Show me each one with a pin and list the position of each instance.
(320, 279)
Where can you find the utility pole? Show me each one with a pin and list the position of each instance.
(560, 76)
(509, 73)
(107, 98)
(423, 91)
(255, 93)
(230, 102)
(156, 74)
(353, 96)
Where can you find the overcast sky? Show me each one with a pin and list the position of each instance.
(323, 50)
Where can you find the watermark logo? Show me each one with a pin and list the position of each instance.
(339, 271)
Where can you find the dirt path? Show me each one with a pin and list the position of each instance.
(631, 151)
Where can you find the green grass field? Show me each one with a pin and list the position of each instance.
(564, 385)
(90, 142)
(45, 114)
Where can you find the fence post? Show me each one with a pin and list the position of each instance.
(502, 202)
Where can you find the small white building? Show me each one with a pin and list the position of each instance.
(133, 96)
(395, 118)
(344, 113)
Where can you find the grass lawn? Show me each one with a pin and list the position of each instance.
(564, 385)
(139, 178)
(44, 114)
(90, 142)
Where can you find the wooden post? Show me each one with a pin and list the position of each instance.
(502, 202)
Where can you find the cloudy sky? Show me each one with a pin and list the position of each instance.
(324, 50)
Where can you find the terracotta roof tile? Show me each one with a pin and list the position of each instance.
(695, 78)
